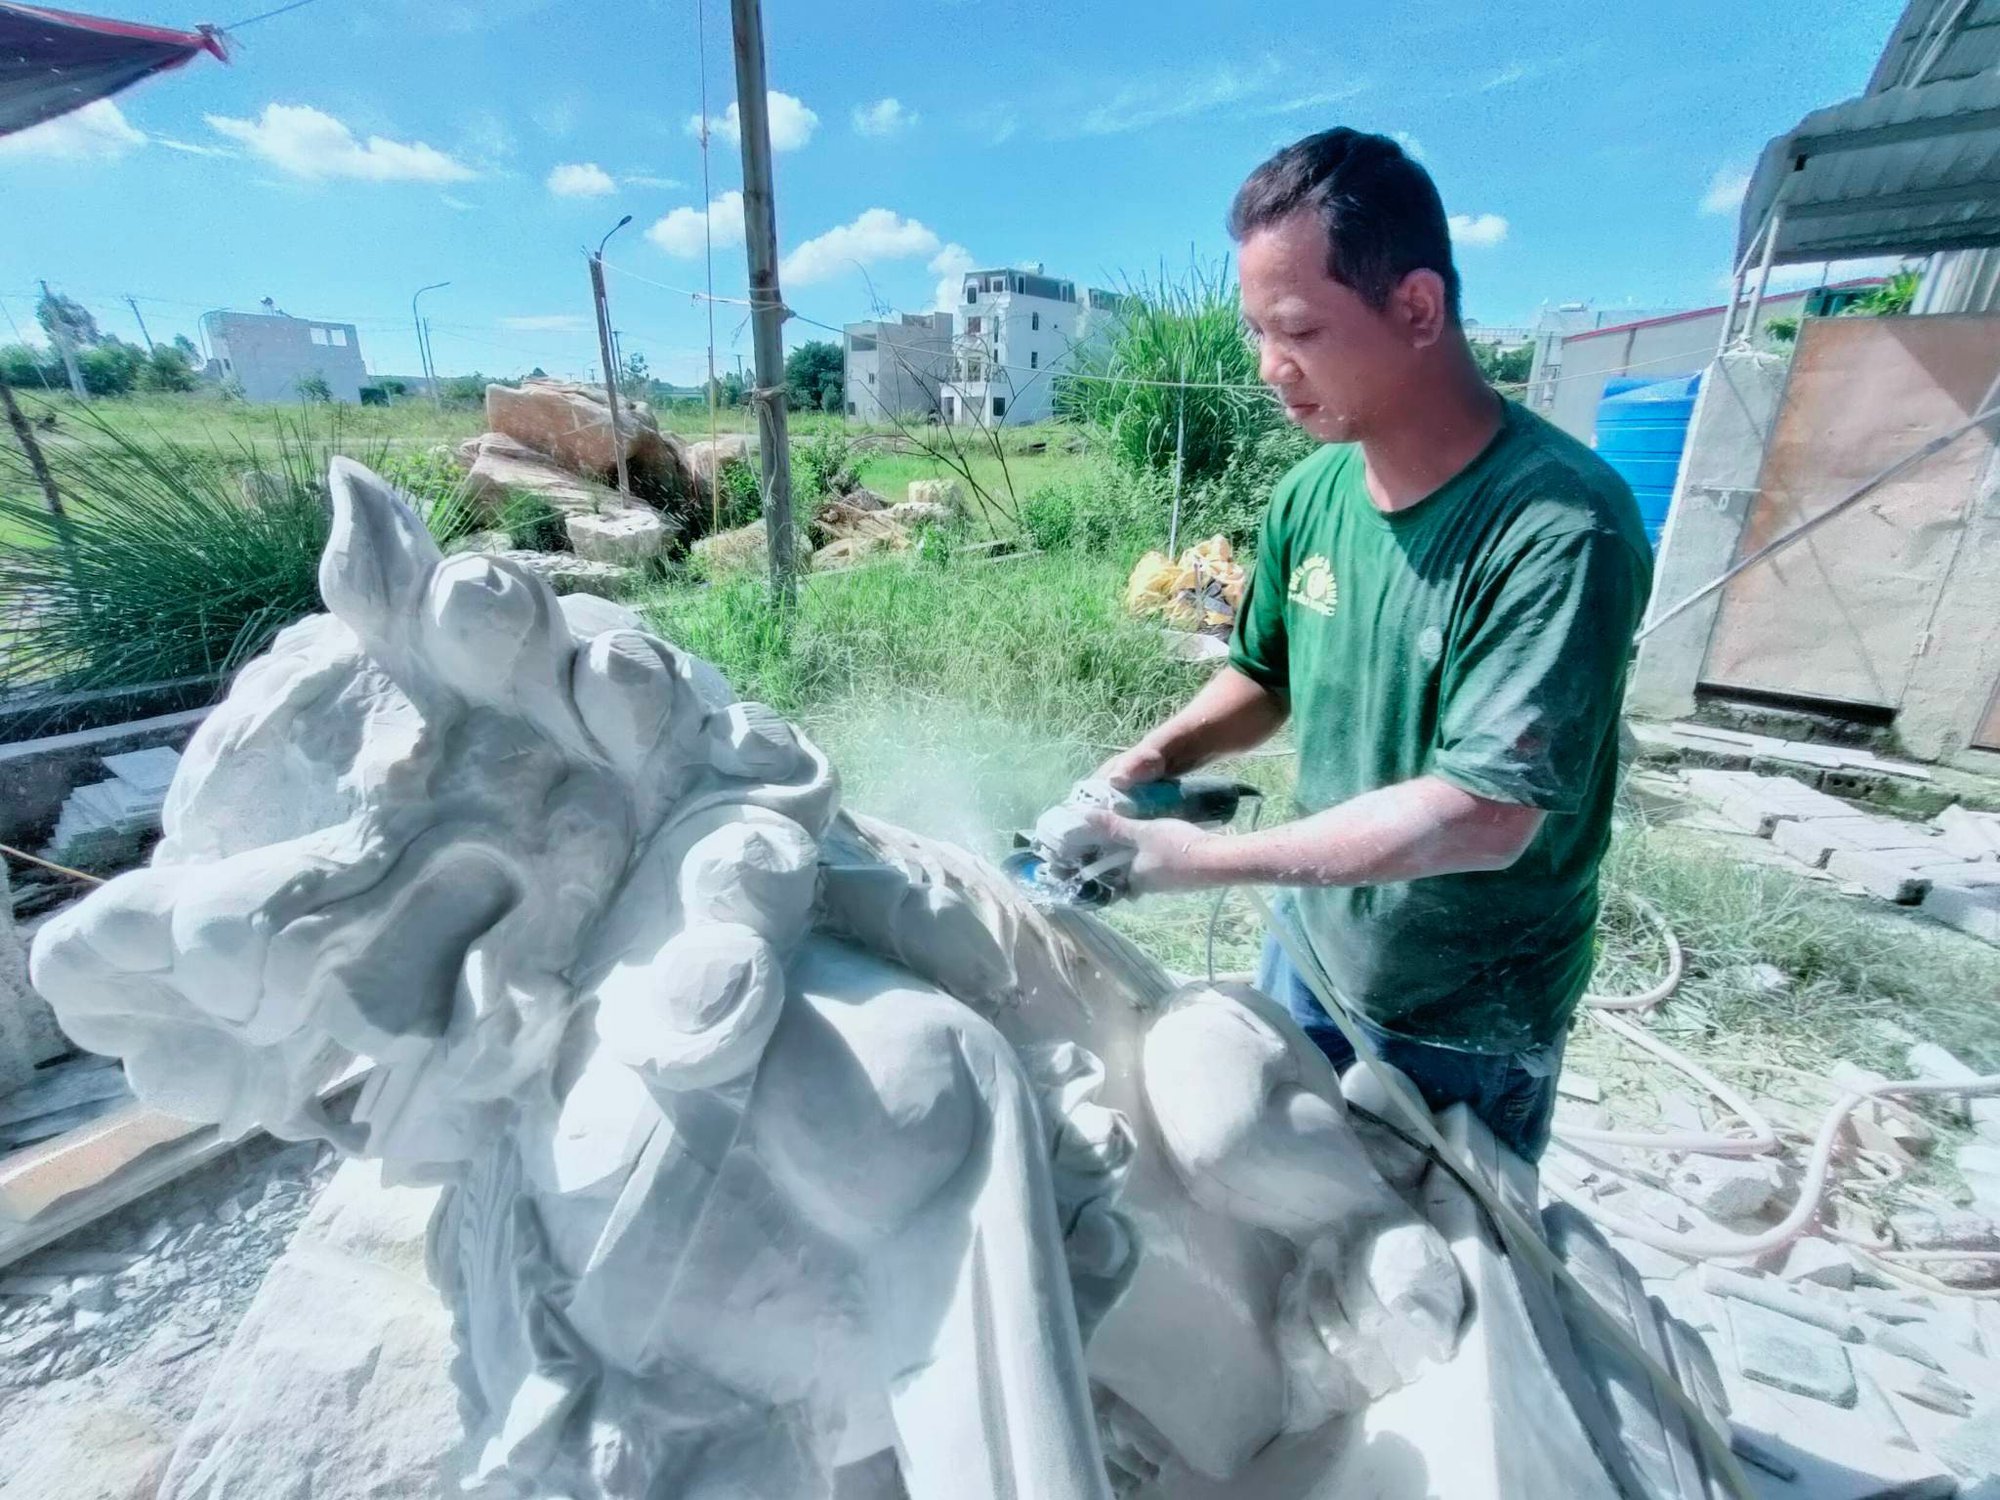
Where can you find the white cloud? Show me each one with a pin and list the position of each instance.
(1142, 104)
(310, 143)
(1412, 147)
(950, 265)
(97, 132)
(884, 117)
(1725, 191)
(680, 232)
(1478, 231)
(580, 179)
(189, 147)
(458, 203)
(876, 234)
(792, 124)
(547, 323)
(1511, 74)
(648, 180)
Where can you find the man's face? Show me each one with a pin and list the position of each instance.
(1335, 361)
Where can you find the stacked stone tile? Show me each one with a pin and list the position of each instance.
(1949, 867)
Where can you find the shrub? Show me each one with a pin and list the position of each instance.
(1176, 371)
(741, 493)
(166, 369)
(823, 465)
(172, 561)
(1101, 508)
(313, 388)
(161, 570)
(110, 368)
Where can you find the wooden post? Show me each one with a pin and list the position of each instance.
(767, 307)
(25, 436)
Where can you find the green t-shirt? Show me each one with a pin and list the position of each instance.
(1480, 636)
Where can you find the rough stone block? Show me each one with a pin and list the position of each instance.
(1757, 804)
(1725, 1188)
(1972, 910)
(1790, 1355)
(336, 1384)
(1969, 834)
(1974, 1449)
(28, 1030)
(1819, 1261)
(631, 537)
(1890, 876)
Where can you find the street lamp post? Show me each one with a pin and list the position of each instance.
(603, 307)
(423, 343)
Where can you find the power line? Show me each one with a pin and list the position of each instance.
(267, 15)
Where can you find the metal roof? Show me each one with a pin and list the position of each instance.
(1908, 168)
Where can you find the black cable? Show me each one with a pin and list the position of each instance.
(253, 20)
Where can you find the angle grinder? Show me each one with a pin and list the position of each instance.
(1066, 862)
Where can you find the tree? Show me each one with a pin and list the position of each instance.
(729, 390)
(66, 318)
(1504, 366)
(634, 380)
(313, 389)
(188, 351)
(167, 368)
(31, 366)
(1891, 299)
(111, 368)
(813, 376)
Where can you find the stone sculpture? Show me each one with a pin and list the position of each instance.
(775, 1139)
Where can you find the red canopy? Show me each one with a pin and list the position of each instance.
(54, 61)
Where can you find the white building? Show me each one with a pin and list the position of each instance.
(267, 355)
(896, 370)
(1017, 330)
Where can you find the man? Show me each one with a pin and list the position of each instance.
(1442, 605)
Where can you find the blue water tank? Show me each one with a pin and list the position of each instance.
(1642, 426)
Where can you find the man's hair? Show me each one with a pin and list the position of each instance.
(1380, 210)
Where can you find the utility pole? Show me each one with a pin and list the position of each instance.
(603, 306)
(133, 303)
(423, 343)
(767, 307)
(59, 335)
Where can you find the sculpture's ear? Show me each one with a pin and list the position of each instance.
(377, 561)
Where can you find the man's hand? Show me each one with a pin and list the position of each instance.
(1167, 853)
(1130, 768)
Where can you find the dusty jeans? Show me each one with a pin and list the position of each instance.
(1513, 1092)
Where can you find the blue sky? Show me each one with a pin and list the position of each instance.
(356, 149)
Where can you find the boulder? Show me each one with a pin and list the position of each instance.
(337, 1383)
(507, 466)
(909, 513)
(838, 520)
(571, 424)
(861, 498)
(731, 551)
(569, 574)
(707, 457)
(632, 536)
(944, 492)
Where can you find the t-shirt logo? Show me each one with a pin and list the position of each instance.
(1313, 586)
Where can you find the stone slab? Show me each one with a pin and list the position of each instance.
(1889, 876)
(36, 775)
(1791, 1356)
(1969, 833)
(1811, 840)
(1974, 1449)
(1757, 804)
(1972, 910)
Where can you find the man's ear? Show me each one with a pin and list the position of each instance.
(1420, 303)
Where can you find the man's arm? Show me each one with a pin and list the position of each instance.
(1417, 828)
(1232, 713)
